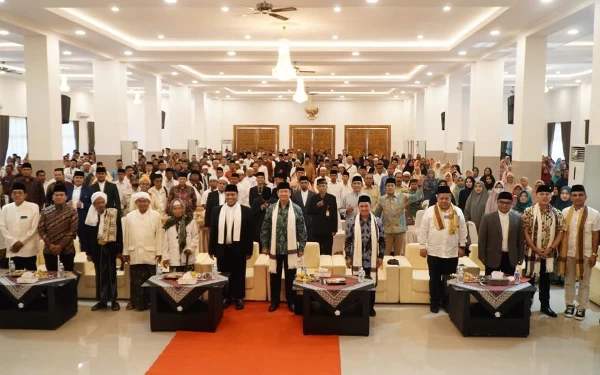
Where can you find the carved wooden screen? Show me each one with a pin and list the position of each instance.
(375, 139)
(310, 139)
(256, 137)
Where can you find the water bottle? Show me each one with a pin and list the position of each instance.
(303, 267)
(158, 269)
(517, 276)
(361, 275)
(460, 273)
(61, 270)
(11, 267)
(215, 272)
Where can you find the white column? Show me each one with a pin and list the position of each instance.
(453, 115)
(180, 102)
(44, 125)
(110, 110)
(487, 86)
(420, 116)
(595, 97)
(83, 136)
(152, 114)
(200, 120)
(434, 106)
(530, 121)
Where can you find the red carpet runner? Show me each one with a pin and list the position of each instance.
(251, 341)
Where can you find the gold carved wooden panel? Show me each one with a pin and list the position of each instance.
(255, 137)
(374, 139)
(312, 138)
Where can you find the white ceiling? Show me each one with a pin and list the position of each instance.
(198, 35)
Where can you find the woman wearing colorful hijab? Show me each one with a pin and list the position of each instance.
(492, 202)
(475, 206)
(464, 194)
(564, 199)
(430, 184)
(523, 202)
(437, 169)
(503, 168)
(557, 175)
(546, 176)
(180, 239)
(449, 180)
(460, 186)
(509, 182)
(516, 190)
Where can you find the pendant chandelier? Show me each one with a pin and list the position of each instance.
(300, 95)
(284, 70)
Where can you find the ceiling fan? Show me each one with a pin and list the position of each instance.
(5, 69)
(267, 8)
(299, 70)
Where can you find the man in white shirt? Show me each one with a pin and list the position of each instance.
(579, 251)
(19, 227)
(212, 184)
(70, 171)
(142, 248)
(350, 167)
(124, 187)
(160, 192)
(442, 238)
(169, 181)
(263, 168)
(334, 187)
(349, 207)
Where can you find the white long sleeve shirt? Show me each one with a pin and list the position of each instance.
(143, 237)
(170, 249)
(440, 243)
(20, 223)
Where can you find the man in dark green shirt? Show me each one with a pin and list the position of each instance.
(283, 236)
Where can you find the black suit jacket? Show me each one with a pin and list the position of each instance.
(212, 201)
(86, 198)
(90, 244)
(321, 223)
(297, 198)
(490, 239)
(245, 243)
(112, 195)
(254, 194)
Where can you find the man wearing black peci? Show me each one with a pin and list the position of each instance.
(322, 208)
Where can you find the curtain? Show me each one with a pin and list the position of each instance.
(17, 136)
(91, 136)
(76, 133)
(4, 127)
(551, 126)
(565, 128)
(68, 139)
(587, 131)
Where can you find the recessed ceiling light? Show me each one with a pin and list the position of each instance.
(263, 82)
(128, 53)
(332, 90)
(372, 90)
(495, 32)
(402, 92)
(225, 9)
(335, 37)
(247, 37)
(221, 73)
(548, 67)
(332, 73)
(346, 82)
(194, 82)
(80, 32)
(505, 73)
(161, 36)
(372, 1)
(462, 53)
(289, 90)
(115, 9)
(551, 87)
(337, 9)
(342, 96)
(447, 8)
(170, 1)
(395, 96)
(558, 72)
(231, 53)
(429, 74)
(417, 82)
(546, 1)
(174, 73)
(355, 53)
(420, 36)
(249, 90)
(387, 73)
(573, 32)
(578, 81)
(217, 92)
(129, 73)
(3, 32)
(279, 96)
(67, 53)
(228, 96)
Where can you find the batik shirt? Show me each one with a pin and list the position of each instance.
(365, 230)
(282, 227)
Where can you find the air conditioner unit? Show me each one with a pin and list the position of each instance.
(409, 147)
(82, 115)
(129, 152)
(466, 155)
(193, 148)
(1, 106)
(584, 163)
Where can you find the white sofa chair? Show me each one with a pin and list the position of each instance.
(474, 256)
(595, 285)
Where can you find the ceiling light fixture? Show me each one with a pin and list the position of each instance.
(335, 37)
(332, 73)
(551, 87)
(387, 73)
(263, 82)
(417, 82)
(578, 81)
(247, 37)
(161, 37)
(420, 36)
(217, 92)
(355, 53)
(372, 1)
(300, 95)
(332, 90)
(558, 72)
(249, 90)
(279, 96)
(447, 8)
(346, 82)
(194, 82)
(342, 96)
(337, 9)
(462, 53)
(115, 9)
(170, 1)
(228, 96)
(231, 53)
(546, 1)
(573, 32)
(174, 73)
(3, 32)
(284, 70)
(372, 90)
(129, 73)
(429, 74)
(495, 32)
(221, 73)
(137, 100)
(395, 96)
(402, 92)
(128, 53)
(67, 53)
(64, 85)
(80, 32)
(224, 9)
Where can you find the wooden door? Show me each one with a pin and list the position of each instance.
(255, 138)
(310, 139)
(374, 139)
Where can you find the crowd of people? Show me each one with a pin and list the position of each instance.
(281, 201)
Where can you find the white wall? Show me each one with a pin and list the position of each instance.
(435, 104)
(12, 97)
(285, 113)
